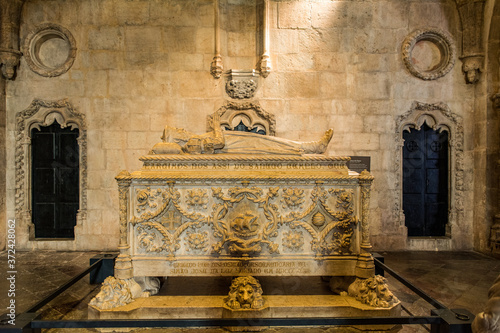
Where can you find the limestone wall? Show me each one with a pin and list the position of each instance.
(143, 64)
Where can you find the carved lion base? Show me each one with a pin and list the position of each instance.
(119, 292)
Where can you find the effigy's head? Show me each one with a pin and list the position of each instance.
(245, 293)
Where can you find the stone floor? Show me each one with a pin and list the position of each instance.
(457, 279)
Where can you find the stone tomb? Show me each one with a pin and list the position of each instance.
(196, 208)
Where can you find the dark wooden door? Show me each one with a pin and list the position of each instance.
(425, 181)
(55, 181)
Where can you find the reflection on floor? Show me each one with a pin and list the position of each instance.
(457, 279)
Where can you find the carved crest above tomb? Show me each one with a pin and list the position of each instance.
(251, 116)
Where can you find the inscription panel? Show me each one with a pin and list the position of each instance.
(255, 267)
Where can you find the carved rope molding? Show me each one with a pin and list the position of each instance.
(45, 113)
(439, 38)
(438, 116)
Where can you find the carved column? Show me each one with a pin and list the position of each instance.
(471, 15)
(123, 263)
(365, 267)
(10, 17)
(216, 67)
(265, 60)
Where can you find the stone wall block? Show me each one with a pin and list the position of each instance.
(105, 38)
(174, 13)
(332, 62)
(204, 40)
(284, 41)
(114, 140)
(179, 39)
(315, 40)
(302, 85)
(241, 44)
(371, 86)
(295, 62)
(294, 15)
(390, 14)
(379, 124)
(132, 12)
(329, 14)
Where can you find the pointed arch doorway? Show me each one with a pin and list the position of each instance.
(425, 181)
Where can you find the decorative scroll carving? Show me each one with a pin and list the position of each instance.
(488, 321)
(246, 233)
(442, 41)
(373, 292)
(439, 117)
(10, 20)
(45, 113)
(251, 114)
(42, 34)
(245, 294)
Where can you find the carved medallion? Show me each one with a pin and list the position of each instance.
(429, 53)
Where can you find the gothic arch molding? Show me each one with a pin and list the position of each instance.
(439, 117)
(45, 113)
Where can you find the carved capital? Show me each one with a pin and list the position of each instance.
(472, 67)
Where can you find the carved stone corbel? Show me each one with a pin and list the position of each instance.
(471, 15)
(10, 19)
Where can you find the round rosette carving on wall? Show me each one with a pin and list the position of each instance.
(50, 50)
(429, 53)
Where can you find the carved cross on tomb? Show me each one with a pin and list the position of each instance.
(171, 220)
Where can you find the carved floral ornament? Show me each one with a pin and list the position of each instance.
(45, 113)
(438, 39)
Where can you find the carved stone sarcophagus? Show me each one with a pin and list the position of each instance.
(230, 215)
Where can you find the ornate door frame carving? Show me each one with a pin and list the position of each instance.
(439, 117)
(45, 113)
